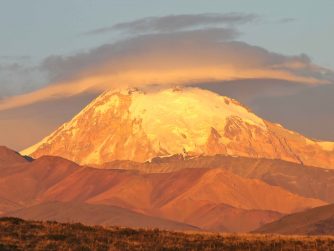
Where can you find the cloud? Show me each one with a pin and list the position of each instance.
(182, 57)
(16, 78)
(287, 20)
(141, 51)
(185, 56)
(14, 58)
(174, 23)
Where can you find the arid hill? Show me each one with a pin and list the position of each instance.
(91, 214)
(10, 157)
(314, 221)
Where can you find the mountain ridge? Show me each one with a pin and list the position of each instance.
(208, 198)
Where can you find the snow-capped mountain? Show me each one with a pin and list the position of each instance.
(134, 125)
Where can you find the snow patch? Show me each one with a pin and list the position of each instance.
(167, 116)
(327, 146)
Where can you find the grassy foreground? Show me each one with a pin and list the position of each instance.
(17, 234)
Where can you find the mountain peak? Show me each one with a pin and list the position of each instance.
(128, 91)
(135, 125)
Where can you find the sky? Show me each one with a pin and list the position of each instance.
(61, 49)
(39, 28)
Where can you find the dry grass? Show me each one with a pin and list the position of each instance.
(16, 234)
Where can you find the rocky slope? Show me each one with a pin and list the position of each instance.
(138, 126)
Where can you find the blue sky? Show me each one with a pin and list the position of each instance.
(40, 28)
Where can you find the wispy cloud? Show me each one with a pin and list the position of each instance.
(14, 58)
(287, 20)
(174, 23)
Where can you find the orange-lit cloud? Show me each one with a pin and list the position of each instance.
(176, 58)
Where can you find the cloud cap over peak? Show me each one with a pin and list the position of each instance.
(178, 57)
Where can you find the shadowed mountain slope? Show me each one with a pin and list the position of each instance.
(314, 221)
(96, 214)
